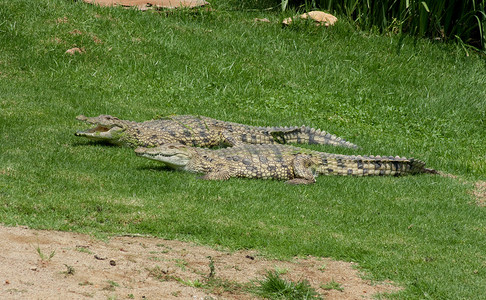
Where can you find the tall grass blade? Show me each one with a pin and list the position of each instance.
(284, 4)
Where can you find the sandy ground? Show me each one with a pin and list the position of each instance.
(480, 193)
(38, 264)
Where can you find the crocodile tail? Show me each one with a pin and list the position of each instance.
(416, 166)
(371, 166)
(307, 135)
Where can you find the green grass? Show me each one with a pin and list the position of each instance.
(332, 285)
(275, 287)
(426, 100)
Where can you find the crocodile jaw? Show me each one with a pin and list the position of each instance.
(174, 158)
(101, 133)
(106, 128)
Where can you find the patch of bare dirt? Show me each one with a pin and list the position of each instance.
(38, 264)
(480, 193)
(145, 4)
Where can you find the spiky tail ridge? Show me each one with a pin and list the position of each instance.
(308, 135)
(371, 165)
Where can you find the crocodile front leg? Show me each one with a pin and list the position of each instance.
(302, 170)
(222, 174)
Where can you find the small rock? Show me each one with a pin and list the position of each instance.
(264, 20)
(112, 262)
(75, 50)
(33, 268)
(320, 17)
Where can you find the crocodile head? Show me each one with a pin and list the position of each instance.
(107, 128)
(176, 156)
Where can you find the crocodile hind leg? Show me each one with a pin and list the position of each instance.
(302, 170)
(228, 139)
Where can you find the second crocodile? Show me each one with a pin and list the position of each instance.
(296, 165)
(199, 131)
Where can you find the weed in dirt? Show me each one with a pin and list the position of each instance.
(181, 263)
(192, 283)
(111, 285)
(69, 270)
(43, 257)
(155, 258)
(332, 285)
(212, 269)
(213, 284)
(275, 287)
(218, 286)
(281, 271)
(158, 273)
(83, 250)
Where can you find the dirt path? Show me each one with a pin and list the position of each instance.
(149, 268)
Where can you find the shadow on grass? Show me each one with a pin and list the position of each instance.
(92, 143)
(161, 168)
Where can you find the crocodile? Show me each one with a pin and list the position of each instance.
(199, 131)
(283, 162)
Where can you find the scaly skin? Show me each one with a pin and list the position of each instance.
(199, 131)
(283, 162)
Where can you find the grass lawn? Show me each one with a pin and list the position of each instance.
(419, 98)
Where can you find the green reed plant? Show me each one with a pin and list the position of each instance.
(446, 20)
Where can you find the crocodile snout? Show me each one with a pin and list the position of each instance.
(81, 118)
(140, 150)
